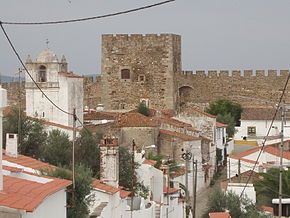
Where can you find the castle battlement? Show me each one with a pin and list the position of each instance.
(138, 36)
(234, 73)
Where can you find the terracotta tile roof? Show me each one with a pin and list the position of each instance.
(48, 123)
(203, 112)
(168, 190)
(261, 114)
(159, 203)
(168, 112)
(134, 120)
(124, 193)
(181, 200)
(267, 209)
(12, 169)
(71, 75)
(101, 115)
(219, 215)
(180, 172)
(98, 184)
(192, 129)
(27, 195)
(171, 121)
(221, 124)
(28, 162)
(179, 135)
(150, 162)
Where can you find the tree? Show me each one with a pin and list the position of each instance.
(77, 206)
(267, 186)
(87, 151)
(157, 158)
(143, 109)
(220, 201)
(224, 107)
(32, 137)
(227, 119)
(57, 149)
(125, 168)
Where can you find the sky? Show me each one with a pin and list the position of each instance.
(216, 34)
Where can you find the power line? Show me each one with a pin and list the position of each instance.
(88, 18)
(23, 65)
(265, 138)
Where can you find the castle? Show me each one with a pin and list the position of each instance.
(147, 68)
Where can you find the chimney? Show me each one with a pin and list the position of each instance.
(11, 145)
(109, 158)
(3, 104)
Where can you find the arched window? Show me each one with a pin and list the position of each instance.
(125, 74)
(41, 74)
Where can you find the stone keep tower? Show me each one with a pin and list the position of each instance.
(64, 89)
(109, 157)
(140, 68)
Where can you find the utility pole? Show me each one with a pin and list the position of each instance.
(19, 108)
(194, 173)
(281, 159)
(187, 157)
(229, 169)
(73, 155)
(239, 170)
(133, 174)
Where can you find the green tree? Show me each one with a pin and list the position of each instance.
(77, 206)
(57, 149)
(125, 168)
(32, 135)
(143, 109)
(267, 186)
(230, 121)
(220, 201)
(224, 107)
(157, 158)
(87, 151)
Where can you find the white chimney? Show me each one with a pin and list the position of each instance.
(3, 104)
(109, 161)
(11, 145)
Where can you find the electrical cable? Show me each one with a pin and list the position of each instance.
(23, 65)
(88, 18)
(265, 138)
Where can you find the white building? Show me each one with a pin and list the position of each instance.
(255, 123)
(63, 88)
(23, 193)
(226, 147)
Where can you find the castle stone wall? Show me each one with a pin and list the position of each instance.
(153, 62)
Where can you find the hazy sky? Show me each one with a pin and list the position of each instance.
(216, 34)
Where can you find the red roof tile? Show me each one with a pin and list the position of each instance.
(28, 162)
(124, 194)
(168, 190)
(192, 129)
(71, 75)
(98, 184)
(150, 162)
(267, 209)
(12, 169)
(171, 121)
(203, 112)
(134, 120)
(100, 115)
(219, 215)
(179, 135)
(221, 124)
(27, 195)
(181, 200)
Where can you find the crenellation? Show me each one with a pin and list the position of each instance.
(212, 74)
(283, 73)
(248, 73)
(224, 73)
(260, 73)
(272, 73)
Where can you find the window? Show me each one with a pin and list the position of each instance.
(251, 130)
(41, 74)
(125, 74)
(141, 78)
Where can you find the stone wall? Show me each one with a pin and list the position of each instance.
(152, 62)
(15, 93)
(201, 87)
(92, 92)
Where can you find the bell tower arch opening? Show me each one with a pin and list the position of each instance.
(42, 77)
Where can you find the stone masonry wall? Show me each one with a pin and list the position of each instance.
(154, 58)
(15, 93)
(202, 87)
